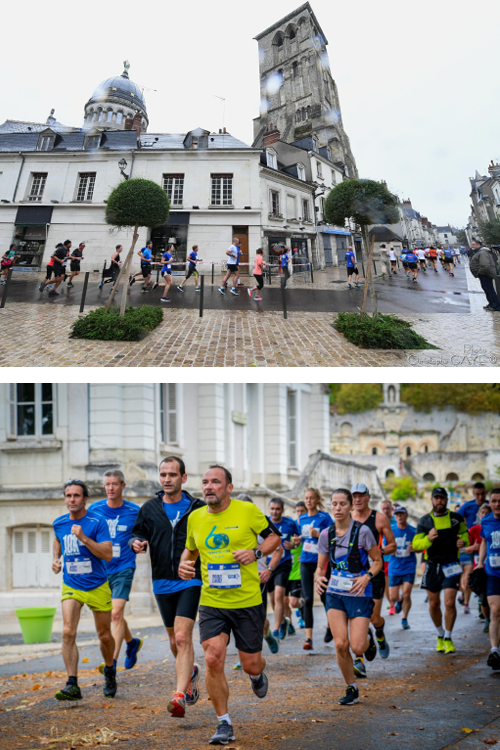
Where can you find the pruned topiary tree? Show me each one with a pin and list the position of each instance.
(365, 202)
(135, 203)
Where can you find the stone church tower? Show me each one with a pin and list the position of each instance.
(298, 94)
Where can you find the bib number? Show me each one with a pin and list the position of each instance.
(225, 576)
(340, 583)
(310, 547)
(453, 569)
(495, 561)
(116, 550)
(402, 553)
(79, 567)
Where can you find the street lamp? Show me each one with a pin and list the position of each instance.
(122, 164)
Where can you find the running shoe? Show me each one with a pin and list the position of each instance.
(302, 623)
(101, 284)
(197, 289)
(223, 735)
(466, 609)
(249, 293)
(69, 693)
(404, 624)
(460, 599)
(257, 298)
(165, 299)
(357, 286)
(273, 642)
(308, 645)
(328, 636)
(350, 696)
(53, 293)
(448, 646)
(133, 649)
(260, 686)
(349, 286)
(392, 610)
(371, 651)
(103, 664)
(237, 665)
(41, 287)
(383, 647)
(222, 291)
(440, 645)
(109, 688)
(291, 630)
(144, 290)
(177, 705)
(359, 668)
(132, 280)
(399, 607)
(69, 285)
(233, 291)
(193, 691)
(283, 631)
(486, 628)
(180, 289)
(493, 660)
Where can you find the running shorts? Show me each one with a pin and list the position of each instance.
(146, 270)
(465, 559)
(405, 263)
(378, 585)
(98, 600)
(413, 266)
(120, 583)
(247, 626)
(183, 603)
(50, 270)
(192, 272)
(259, 279)
(233, 267)
(492, 585)
(295, 588)
(399, 580)
(353, 606)
(166, 273)
(280, 576)
(58, 269)
(422, 262)
(351, 270)
(74, 265)
(434, 580)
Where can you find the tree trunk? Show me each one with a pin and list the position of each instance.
(125, 267)
(369, 274)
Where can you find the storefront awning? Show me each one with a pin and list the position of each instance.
(336, 231)
(33, 216)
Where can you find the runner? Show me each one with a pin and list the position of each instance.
(59, 257)
(224, 536)
(146, 256)
(8, 260)
(489, 558)
(193, 260)
(232, 267)
(347, 545)
(411, 259)
(295, 598)
(49, 271)
(84, 543)
(109, 275)
(120, 515)
(166, 272)
(475, 538)
(380, 527)
(470, 513)
(433, 258)
(421, 259)
(394, 261)
(404, 261)
(386, 507)
(448, 260)
(350, 262)
(402, 565)
(162, 522)
(311, 525)
(278, 584)
(441, 534)
(258, 274)
(75, 258)
(284, 262)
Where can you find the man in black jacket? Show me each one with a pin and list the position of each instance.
(162, 522)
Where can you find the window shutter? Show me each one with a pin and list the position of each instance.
(12, 427)
(45, 541)
(32, 542)
(18, 542)
(292, 429)
(172, 413)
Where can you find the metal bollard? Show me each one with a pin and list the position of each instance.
(363, 268)
(6, 287)
(212, 274)
(103, 272)
(283, 297)
(202, 287)
(374, 267)
(84, 290)
(158, 275)
(311, 268)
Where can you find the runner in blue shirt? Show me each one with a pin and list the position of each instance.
(278, 585)
(120, 515)
(402, 564)
(146, 256)
(404, 261)
(412, 260)
(311, 525)
(166, 272)
(285, 260)
(350, 262)
(448, 260)
(489, 558)
(469, 512)
(193, 260)
(85, 544)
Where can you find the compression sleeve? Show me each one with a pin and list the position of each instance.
(271, 529)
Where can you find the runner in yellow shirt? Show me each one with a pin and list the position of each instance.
(224, 535)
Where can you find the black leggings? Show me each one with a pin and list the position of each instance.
(307, 571)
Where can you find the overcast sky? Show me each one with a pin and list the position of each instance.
(419, 82)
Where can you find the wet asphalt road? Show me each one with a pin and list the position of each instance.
(434, 293)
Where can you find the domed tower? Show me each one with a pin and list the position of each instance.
(115, 100)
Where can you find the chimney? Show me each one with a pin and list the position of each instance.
(271, 135)
(128, 123)
(136, 123)
(224, 131)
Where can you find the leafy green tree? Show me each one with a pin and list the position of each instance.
(365, 202)
(351, 398)
(490, 231)
(401, 489)
(135, 203)
(462, 237)
(472, 398)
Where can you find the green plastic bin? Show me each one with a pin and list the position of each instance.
(36, 623)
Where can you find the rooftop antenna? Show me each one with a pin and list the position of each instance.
(222, 99)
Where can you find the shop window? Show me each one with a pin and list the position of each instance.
(169, 417)
(86, 184)
(292, 429)
(32, 558)
(173, 185)
(31, 409)
(222, 190)
(38, 180)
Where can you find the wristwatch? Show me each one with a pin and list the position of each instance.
(270, 567)
(258, 553)
(370, 575)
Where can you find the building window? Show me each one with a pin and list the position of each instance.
(426, 449)
(408, 451)
(38, 180)
(119, 117)
(169, 413)
(334, 177)
(86, 183)
(31, 409)
(374, 451)
(46, 143)
(274, 203)
(292, 429)
(101, 114)
(110, 115)
(32, 557)
(315, 140)
(222, 189)
(322, 205)
(305, 211)
(272, 161)
(301, 172)
(173, 185)
(319, 169)
(93, 141)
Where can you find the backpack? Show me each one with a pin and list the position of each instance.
(354, 563)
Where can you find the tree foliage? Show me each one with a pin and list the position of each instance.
(137, 202)
(351, 398)
(472, 398)
(401, 489)
(490, 231)
(462, 237)
(364, 201)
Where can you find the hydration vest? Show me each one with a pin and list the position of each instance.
(354, 563)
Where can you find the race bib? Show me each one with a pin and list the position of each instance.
(225, 576)
(116, 550)
(402, 553)
(453, 569)
(79, 567)
(495, 561)
(340, 582)
(310, 547)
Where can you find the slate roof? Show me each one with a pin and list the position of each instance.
(112, 140)
(22, 126)
(155, 141)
